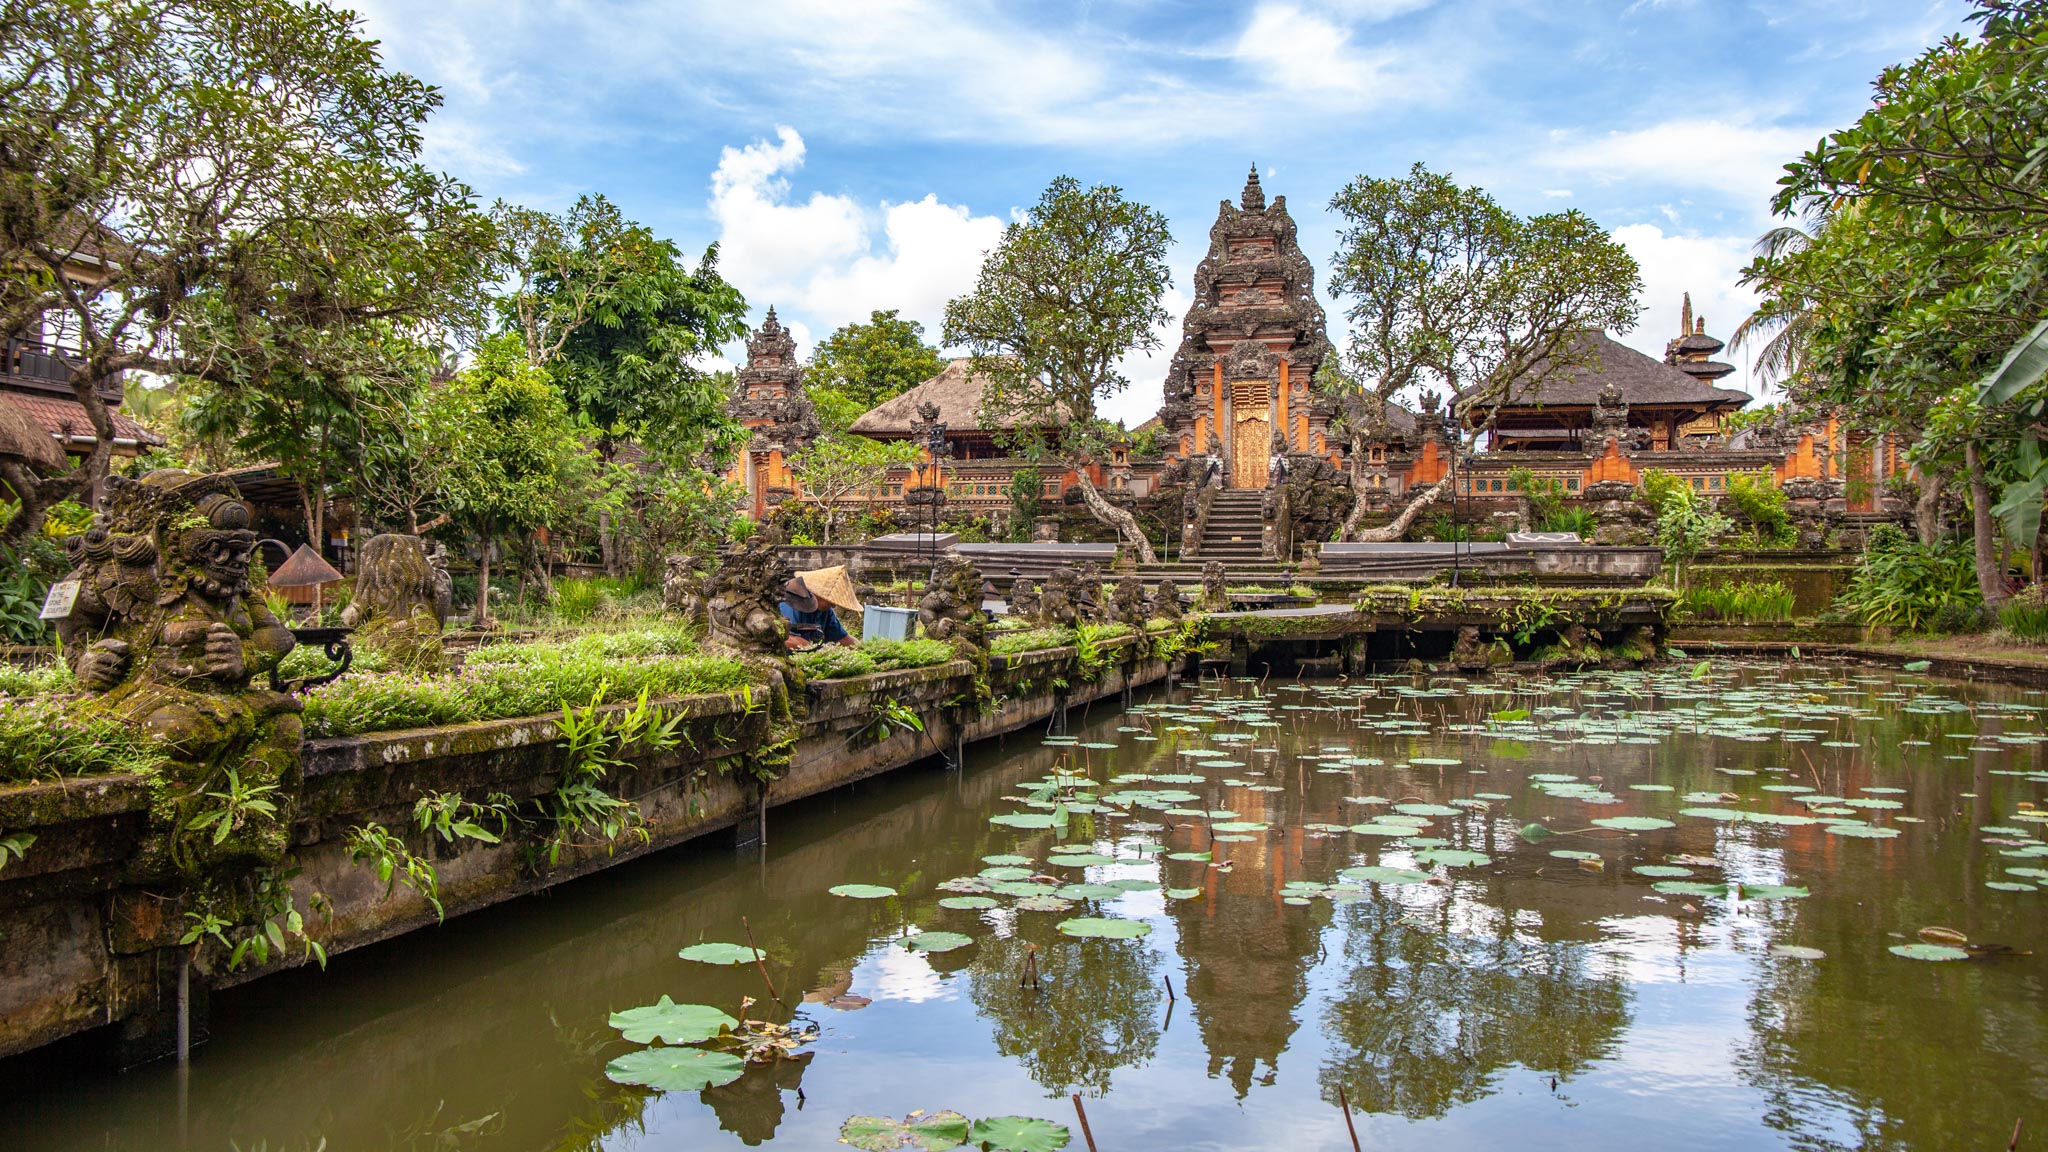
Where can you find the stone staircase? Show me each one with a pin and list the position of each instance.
(1235, 531)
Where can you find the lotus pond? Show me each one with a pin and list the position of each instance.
(1724, 906)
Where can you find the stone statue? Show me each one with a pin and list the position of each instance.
(1127, 605)
(1215, 595)
(1088, 604)
(682, 591)
(950, 610)
(444, 584)
(1023, 599)
(1165, 601)
(165, 636)
(1059, 605)
(744, 609)
(395, 607)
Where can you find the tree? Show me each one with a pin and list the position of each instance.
(1931, 266)
(1447, 288)
(837, 466)
(215, 191)
(506, 439)
(1069, 292)
(862, 364)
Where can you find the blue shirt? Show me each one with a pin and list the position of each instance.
(819, 627)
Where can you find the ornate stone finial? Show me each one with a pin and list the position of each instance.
(1253, 198)
(1700, 326)
(1685, 317)
(395, 609)
(1431, 402)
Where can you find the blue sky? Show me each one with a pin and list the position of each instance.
(854, 156)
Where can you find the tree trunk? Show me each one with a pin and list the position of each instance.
(481, 615)
(2035, 556)
(1990, 574)
(1393, 531)
(1927, 509)
(1126, 524)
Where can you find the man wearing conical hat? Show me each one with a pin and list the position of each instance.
(807, 603)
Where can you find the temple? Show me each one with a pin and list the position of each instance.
(1239, 401)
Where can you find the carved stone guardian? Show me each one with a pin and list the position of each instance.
(165, 636)
(1023, 599)
(395, 607)
(682, 591)
(1059, 605)
(1127, 605)
(950, 609)
(1215, 596)
(1165, 604)
(745, 604)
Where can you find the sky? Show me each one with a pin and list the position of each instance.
(852, 156)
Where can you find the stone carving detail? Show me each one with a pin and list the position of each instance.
(745, 605)
(166, 636)
(1215, 596)
(396, 606)
(1060, 603)
(950, 610)
(1127, 605)
(682, 591)
(1619, 516)
(1165, 603)
(1023, 599)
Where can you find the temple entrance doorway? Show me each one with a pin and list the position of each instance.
(1251, 435)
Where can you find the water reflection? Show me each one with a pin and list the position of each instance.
(1662, 1011)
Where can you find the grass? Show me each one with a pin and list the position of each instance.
(2025, 617)
(42, 739)
(513, 680)
(1040, 639)
(840, 662)
(35, 680)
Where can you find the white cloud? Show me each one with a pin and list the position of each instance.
(1706, 267)
(1308, 54)
(1740, 158)
(827, 259)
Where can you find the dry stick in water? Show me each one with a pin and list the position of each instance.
(1344, 1105)
(1083, 1114)
(2013, 1146)
(758, 961)
(1170, 997)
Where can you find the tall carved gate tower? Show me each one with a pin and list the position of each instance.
(1250, 345)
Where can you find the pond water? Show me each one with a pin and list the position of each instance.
(1477, 985)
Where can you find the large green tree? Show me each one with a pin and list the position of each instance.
(1072, 289)
(862, 364)
(506, 441)
(219, 191)
(1932, 264)
(1445, 288)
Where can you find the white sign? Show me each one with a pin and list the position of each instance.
(62, 598)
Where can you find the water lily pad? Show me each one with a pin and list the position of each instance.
(1088, 892)
(1382, 874)
(1661, 871)
(967, 903)
(1007, 860)
(1425, 810)
(1081, 860)
(1580, 854)
(1772, 892)
(1133, 884)
(1182, 893)
(671, 1022)
(1000, 874)
(1103, 928)
(1018, 1134)
(1864, 831)
(937, 941)
(932, 1133)
(675, 1069)
(717, 954)
(1203, 856)
(1453, 858)
(2010, 886)
(1797, 952)
(1025, 820)
(1043, 904)
(1022, 888)
(1936, 952)
(1689, 888)
(1633, 823)
(861, 891)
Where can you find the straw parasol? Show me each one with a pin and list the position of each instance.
(22, 441)
(832, 584)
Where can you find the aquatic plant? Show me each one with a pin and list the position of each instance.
(1742, 601)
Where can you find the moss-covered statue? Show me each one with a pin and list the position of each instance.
(395, 609)
(1127, 604)
(1165, 603)
(1215, 595)
(682, 590)
(165, 635)
(1023, 599)
(950, 610)
(1059, 602)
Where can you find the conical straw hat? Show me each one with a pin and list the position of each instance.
(832, 584)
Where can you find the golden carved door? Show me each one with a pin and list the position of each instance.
(1251, 437)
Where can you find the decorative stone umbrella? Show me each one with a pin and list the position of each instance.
(22, 442)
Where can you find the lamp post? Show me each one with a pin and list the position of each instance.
(1452, 437)
(931, 431)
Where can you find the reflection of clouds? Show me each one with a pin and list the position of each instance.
(896, 973)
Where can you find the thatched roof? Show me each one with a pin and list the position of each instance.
(23, 439)
(1644, 381)
(954, 390)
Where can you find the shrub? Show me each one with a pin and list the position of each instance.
(1902, 583)
(35, 680)
(2025, 616)
(841, 662)
(1661, 489)
(1760, 502)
